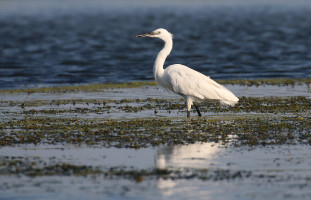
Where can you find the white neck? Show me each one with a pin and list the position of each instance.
(159, 62)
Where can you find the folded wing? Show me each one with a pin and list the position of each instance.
(188, 82)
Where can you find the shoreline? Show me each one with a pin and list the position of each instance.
(100, 86)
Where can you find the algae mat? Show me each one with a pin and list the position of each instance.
(133, 141)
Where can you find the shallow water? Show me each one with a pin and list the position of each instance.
(201, 170)
(160, 93)
(276, 172)
(153, 92)
(54, 44)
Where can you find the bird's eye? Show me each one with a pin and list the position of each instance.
(159, 32)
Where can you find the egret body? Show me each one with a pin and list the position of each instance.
(182, 80)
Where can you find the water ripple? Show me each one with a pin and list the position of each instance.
(223, 43)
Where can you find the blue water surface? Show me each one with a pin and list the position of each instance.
(50, 45)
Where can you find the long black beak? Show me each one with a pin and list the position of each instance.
(144, 35)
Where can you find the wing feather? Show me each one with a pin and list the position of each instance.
(188, 82)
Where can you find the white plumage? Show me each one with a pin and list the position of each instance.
(188, 83)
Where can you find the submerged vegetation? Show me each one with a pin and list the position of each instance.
(37, 168)
(137, 133)
(80, 88)
(275, 81)
(101, 86)
(122, 123)
(93, 121)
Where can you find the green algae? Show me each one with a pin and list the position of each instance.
(269, 81)
(140, 133)
(88, 106)
(102, 86)
(19, 166)
(80, 88)
(253, 121)
(37, 168)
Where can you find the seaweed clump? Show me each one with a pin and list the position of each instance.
(138, 133)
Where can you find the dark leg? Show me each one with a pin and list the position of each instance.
(188, 114)
(197, 108)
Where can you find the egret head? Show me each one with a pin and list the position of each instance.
(158, 33)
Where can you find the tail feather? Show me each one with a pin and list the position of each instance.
(231, 102)
(225, 96)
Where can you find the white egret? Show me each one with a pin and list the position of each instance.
(186, 82)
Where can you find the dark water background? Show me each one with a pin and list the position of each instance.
(52, 46)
